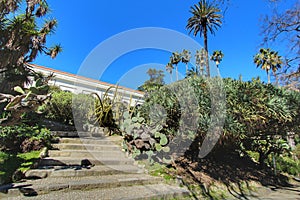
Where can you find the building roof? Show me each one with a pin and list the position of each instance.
(50, 70)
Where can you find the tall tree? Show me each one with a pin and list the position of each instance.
(175, 60)
(217, 57)
(268, 60)
(206, 18)
(185, 58)
(156, 80)
(283, 26)
(169, 68)
(22, 39)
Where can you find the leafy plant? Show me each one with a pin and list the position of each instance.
(257, 115)
(142, 140)
(11, 137)
(104, 108)
(288, 165)
(64, 107)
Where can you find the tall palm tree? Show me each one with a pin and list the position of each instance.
(268, 60)
(185, 58)
(174, 60)
(169, 68)
(205, 18)
(217, 57)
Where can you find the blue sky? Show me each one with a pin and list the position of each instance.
(83, 26)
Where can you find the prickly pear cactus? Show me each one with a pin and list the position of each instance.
(142, 141)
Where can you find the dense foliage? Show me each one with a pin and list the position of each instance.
(23, 138)
(257, 115)
(66, 107)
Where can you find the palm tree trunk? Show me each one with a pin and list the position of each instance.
(269, 77)
(206, 51)
(176, 73)
(186, 68)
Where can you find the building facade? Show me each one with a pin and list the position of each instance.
(79, 84)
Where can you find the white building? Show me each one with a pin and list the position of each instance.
(79, 84)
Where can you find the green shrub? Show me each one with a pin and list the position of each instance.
(60, 107)
(11, 137)
(255, 113)
(64, 107)
(288, 165)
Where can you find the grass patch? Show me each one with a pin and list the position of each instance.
(10, 163)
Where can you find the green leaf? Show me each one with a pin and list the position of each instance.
(43, 88)
(28, 95)
(38, 82)
(127, 122)
(167, 161)
(140, 119)
(134, 119)
(158, 147)
(157, 135)
(19, 90)
(126, 115)
(166, 149)
(163, 140)
(150, 154)
(34, 90)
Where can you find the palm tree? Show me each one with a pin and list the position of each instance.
(174, 60)
(205, 18)
(268, 60)
(169, 68)
(23, 36)
(217, 57)
(185, 58)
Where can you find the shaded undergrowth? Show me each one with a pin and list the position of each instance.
(223, 175)
(12, 165)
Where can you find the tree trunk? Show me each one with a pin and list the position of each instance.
(269, 77)
(206, 51)
(176, 73)
(186, 68)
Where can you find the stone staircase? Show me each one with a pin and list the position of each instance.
(86, 167)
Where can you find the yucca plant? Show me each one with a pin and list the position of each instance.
(104, 108)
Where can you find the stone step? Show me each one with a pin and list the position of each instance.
(76, 161)
(87, 140)
(78, 171)
(43, 186)
(76, 134)
(87, 153)
(145, 192)
(95, 147)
